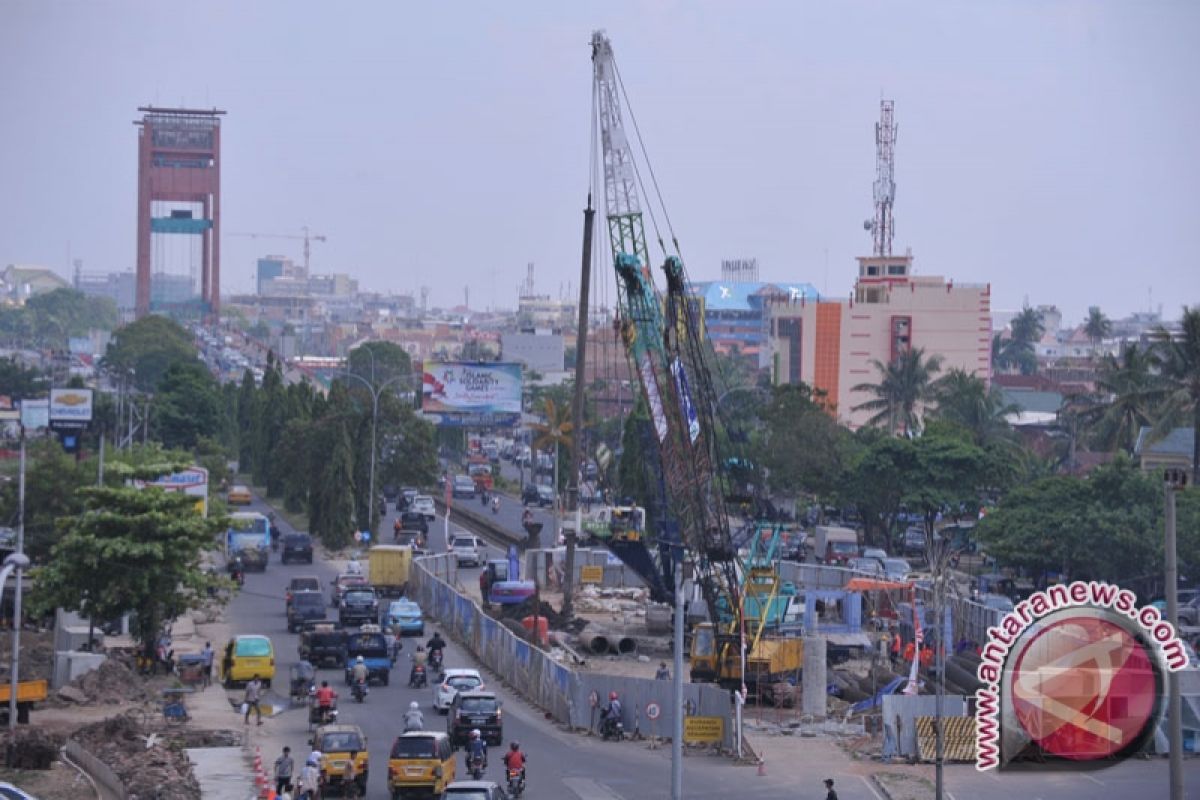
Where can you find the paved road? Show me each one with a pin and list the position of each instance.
(575, 767)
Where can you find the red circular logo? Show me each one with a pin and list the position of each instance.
(1084, 688)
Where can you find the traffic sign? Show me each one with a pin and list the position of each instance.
(593, 699)
(358, 536)
(366, 536)
(652, 711)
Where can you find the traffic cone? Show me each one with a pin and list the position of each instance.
(258, 759)
(762, 767)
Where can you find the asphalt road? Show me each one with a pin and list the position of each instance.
(577, 767)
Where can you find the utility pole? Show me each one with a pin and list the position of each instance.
(677, 680)
(1173, 481)
(16, 632)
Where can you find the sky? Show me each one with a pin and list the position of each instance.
(1047, 148)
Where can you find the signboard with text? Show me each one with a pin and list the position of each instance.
(486, 391)
(71, 406)
(191, 481)
(698, 730)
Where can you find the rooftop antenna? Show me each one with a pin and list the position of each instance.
(881, 227)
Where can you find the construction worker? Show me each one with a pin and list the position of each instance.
(897, 644)
(910, 650)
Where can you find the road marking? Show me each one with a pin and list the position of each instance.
(871, 788)
(588, 789)
(1096, 781)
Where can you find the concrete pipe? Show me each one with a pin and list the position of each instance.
(626, 645)
(598, 643)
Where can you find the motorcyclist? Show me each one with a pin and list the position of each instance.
(326, 699)
(419, 659)
(612, 712)
(436, 644)
(514, 759)
(476, 746)
(359, 672)
(414, 720)
(495, 504)
(237, 569)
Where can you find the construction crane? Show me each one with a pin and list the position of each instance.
(662, 335)
(306, 237)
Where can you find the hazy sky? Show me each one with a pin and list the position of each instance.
(1049, 148)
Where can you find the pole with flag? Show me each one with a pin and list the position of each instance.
(918, 640)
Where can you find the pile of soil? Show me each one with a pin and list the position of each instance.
(37, 656)
(158, 772)
(114, 682)
(30, 748)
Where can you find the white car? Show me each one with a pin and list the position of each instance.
(456, 680)
(423, 504)
(897, 569)
(468, 549)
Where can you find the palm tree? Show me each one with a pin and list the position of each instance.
(1126, 394)
(1178, 362)
(1026, 330)
(904, 385)
(1097, 326)
(967, 400)
(556, 432)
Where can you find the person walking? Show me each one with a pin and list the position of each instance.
(284, 767)
(830, 794)
(663, 674)
(250, 701)
(207, 655)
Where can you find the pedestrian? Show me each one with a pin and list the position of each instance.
(310, 776)
(207, 655)
(284, 767)
(663, 674)
(250, 701)
(830, 794)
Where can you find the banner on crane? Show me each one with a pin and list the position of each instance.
(685, 400)
(656, 406)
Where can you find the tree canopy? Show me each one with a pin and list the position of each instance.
(147, 348)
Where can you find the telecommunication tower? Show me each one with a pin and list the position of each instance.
(882, 226)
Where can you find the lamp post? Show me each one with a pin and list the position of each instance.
(17, 561)
(376, 392)
(1174, 480)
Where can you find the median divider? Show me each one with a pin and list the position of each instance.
(482, 524)
(570, 697)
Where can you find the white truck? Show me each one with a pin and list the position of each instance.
(834, 545)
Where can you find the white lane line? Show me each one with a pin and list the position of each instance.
(871, 788)
(1096, 781)
(588, 789)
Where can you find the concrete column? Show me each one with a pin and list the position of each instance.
(813, 700)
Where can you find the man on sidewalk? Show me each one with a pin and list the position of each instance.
(284, 766)
(250, 701)
(207, 653)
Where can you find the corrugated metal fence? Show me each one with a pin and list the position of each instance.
(531, 672)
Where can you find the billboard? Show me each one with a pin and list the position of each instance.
(191, 481)
(71, 405)
(482, 391)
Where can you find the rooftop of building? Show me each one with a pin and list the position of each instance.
(1178, 442)
(748, 296)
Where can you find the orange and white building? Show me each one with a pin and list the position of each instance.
(832, 344)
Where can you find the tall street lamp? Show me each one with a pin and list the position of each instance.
(375, 394)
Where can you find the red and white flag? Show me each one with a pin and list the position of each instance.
(918, 639)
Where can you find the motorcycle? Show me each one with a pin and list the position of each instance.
(476, 766)
(612, 728)
(418, 679)
(495, 505)
(359, 690)
(435, 661)
(516, 782)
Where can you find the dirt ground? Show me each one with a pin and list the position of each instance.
(60, 781)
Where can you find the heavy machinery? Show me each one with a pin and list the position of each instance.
(662, 335)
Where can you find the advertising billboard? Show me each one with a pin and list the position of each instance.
(71, 406)
(487, 393)
(191, 481)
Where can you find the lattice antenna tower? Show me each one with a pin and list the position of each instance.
(882, 226)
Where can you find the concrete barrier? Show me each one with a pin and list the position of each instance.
(109, 784)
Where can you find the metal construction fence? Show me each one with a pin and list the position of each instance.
(566, 694)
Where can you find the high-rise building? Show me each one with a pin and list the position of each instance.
(834, 344)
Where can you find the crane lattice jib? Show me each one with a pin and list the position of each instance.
(623, 210)
(693, 496)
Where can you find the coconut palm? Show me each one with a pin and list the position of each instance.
(1178, 360)
(1026, 331)
(1097, 327)
(966, 400)
(1127, 392)
(904, 387)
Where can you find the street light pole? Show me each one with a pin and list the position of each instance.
(375, 392)
(1173, 480)
(19, 560)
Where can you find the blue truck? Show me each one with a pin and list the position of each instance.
(249, 537)
(376, 650)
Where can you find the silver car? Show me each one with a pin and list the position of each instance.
(456, 680)
(468, 549)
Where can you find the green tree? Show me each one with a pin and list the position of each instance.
(904, 388)
(331, 512)
(634, 468)
(1097, 327)
(874, 482)
(18, 381)
(52, 480)
(1178, 360)
(147, 348)
(130, 550)
(378, 362)
(965, 400)
(249, 413)
(1019, 350)
(802, 447)
(1127, 393)
(947, 477)
(187, 406)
